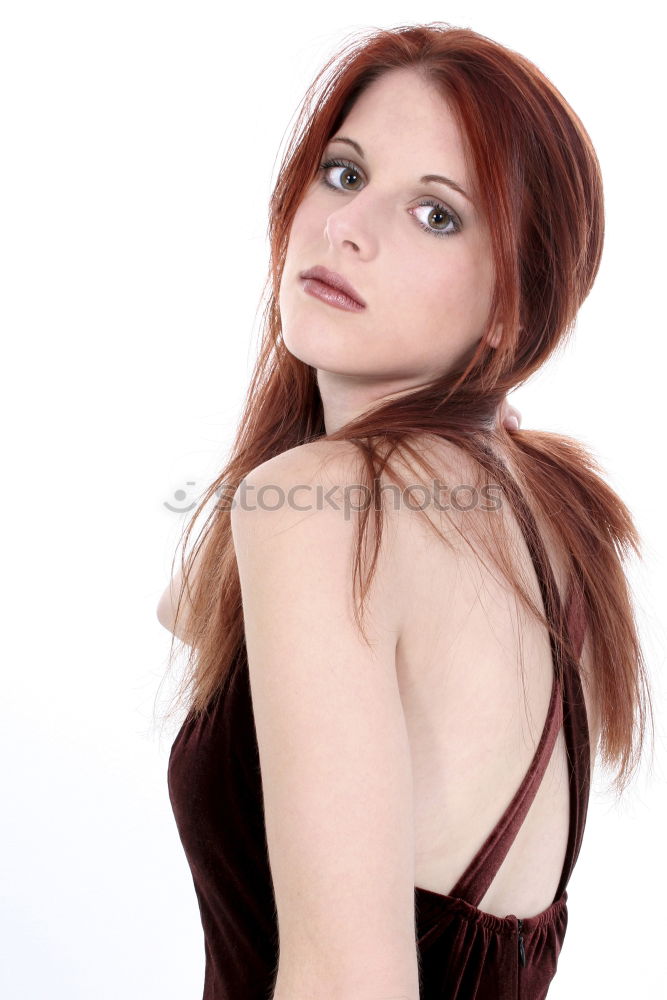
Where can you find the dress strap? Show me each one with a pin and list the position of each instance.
(577, 739)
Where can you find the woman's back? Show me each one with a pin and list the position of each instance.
(458, 662)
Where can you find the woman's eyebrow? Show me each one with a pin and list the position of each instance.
(427, 178)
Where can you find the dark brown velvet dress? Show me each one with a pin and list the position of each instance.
(464, 953)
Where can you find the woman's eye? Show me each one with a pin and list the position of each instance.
(441, 220)
(347, 167)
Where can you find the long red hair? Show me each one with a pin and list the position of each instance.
(539, 185)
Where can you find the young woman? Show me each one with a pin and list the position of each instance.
(382, 780)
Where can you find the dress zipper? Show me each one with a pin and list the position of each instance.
(522, 950)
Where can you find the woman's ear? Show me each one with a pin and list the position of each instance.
(493, 339)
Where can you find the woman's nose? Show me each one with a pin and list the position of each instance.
(351, 224)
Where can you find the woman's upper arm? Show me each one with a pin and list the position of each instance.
(333, 746)
(166, 609)
(167, 603)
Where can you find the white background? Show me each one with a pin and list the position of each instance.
(139, 147)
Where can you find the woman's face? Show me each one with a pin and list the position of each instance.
(427, 293)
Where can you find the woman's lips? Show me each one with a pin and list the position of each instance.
(332, 296)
